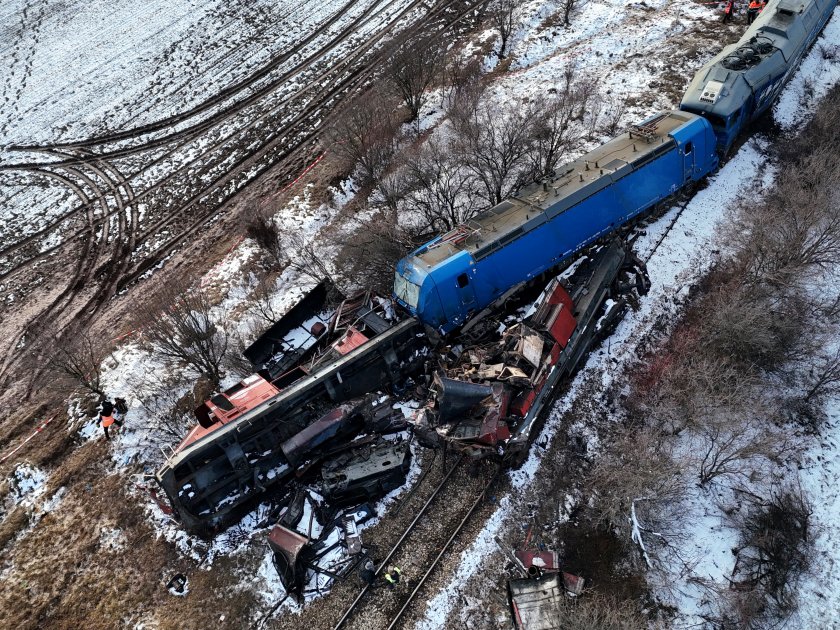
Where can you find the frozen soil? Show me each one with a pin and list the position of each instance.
(63, 564)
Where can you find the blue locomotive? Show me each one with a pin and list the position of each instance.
(451, 278)
(742, 82)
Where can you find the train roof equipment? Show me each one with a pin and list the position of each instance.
(744, 79)
(457, 275)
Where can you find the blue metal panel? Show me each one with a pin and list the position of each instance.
(559, 232)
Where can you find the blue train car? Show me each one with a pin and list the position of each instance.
(741, 83)
(446, 281)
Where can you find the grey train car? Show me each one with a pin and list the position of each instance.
(741, 83)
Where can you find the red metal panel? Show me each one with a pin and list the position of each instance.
(351, 340)
(563, 326)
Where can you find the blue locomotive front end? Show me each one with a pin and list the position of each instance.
(446, 281)
(741, 83)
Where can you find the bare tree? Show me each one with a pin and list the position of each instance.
(504, 15)
(364, 134)
(494, 146)
(181, 329)
(567, 7)
(412, 69)
(76, 357)
(370, 250)
(461, 76)
(305, 257)
(551, 118)
(261, 305)
(440, 191)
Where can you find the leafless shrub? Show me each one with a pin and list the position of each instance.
(305, 256)
(412, 68)
(734, 447)
(775, 550)
(636, 485)
(75, 359)
(181, 329)
(493, 145)
(364, 134)
(752, 325)
(504, 15)
(615, 107)
(599, 612)
(440, 191)
(264, 231)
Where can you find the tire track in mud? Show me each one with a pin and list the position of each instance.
(242, 168)
(225, 93)
(24, 62)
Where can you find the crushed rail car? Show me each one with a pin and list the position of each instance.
(491, 397)
(255, 434)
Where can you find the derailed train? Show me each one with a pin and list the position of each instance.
(283, 421)
(451, 278)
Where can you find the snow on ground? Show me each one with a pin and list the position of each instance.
(682, 258)
(613, 42)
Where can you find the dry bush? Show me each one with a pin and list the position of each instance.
(569, 6)
(364, 134)
(775, 551)
(753, 325)
(306, 256)
(264, 231)
(599, 612)
(181, 328)
(637, 474)
(738, 447)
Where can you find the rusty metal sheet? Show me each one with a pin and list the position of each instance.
(535, 603)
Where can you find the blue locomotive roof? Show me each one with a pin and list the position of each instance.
(542, 201)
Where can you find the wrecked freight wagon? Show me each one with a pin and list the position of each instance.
(489, 399)
(257, 433)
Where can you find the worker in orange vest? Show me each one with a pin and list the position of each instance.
(106, 416)
(754, 9)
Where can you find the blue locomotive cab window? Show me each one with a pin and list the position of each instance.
(463, 280)
(406, 291)
(688, 148)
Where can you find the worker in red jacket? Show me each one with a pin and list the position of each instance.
(754, 9)
(106, 416)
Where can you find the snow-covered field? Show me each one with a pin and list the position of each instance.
(629, 48)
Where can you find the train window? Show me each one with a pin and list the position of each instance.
(463, 280)
(688, 148)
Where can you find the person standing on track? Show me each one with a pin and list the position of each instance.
(392, 576)
(368, 572)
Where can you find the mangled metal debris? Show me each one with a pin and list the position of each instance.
(488, 397)
(366, 473)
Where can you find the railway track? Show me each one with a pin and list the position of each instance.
(436, 526)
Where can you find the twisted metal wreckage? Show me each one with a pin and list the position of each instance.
(314, 414)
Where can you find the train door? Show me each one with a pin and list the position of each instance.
(688, 159)
(466, 292)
